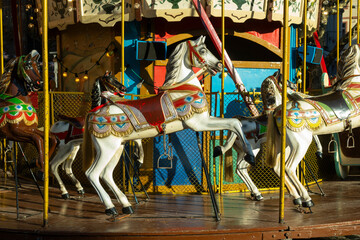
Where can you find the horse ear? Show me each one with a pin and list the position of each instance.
(35, 55)
(203, 39)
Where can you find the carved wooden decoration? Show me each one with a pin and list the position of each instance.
(240, 10)
(61, 13)
(104, 12)
(295, 11)
(171, 10)
(313, 15)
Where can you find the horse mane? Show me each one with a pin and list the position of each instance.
(7, 76)
(96, 94)
(347, 64)
(173, 66)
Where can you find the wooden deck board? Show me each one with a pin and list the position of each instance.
(181, 216)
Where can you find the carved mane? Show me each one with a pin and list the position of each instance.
(173, 66)
(349, 61)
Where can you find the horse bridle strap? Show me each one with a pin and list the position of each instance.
(197, 55)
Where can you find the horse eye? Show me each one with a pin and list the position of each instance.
(202, 51)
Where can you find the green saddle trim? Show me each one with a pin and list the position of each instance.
(10, 99)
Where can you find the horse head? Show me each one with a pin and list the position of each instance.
(199, 56)
(29, 70)
(111, 84)
(348, 67)
(271, 92)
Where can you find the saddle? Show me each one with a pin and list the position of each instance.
(336, 102)
(75, 130)
(147, 112)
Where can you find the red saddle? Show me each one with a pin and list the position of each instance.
(150, 108)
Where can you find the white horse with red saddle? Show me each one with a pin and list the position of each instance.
(181, 104)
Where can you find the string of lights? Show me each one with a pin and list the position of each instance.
(109, 52)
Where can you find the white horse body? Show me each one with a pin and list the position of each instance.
(271, 95)
(179, 74)
(307, 117)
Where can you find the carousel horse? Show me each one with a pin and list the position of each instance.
(335, 111)
(254, 129)
(69, 131)
(18, 118)
(181, 104)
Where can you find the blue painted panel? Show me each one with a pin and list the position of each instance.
(186, 164)
(132, 33)
(252, 79)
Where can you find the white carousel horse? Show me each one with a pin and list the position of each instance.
(336, 111)
(181, 104)
(254, 129)
(69, 132)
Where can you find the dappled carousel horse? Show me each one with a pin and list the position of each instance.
(336, 111)
(181, 104)
(69, 131)
(18, 118)
(255, 130)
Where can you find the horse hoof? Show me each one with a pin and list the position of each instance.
(308, 204)
(127, 210)
(217, 151)
(81, 192)
(319, 155)
(258, 197)
(111, 212)
(65, 196)
(297, 201)
(250, 159)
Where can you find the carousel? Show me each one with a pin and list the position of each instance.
(180, 119)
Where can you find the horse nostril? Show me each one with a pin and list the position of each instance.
(219, 65)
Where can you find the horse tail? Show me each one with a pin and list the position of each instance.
(87, 147)
(272, 139)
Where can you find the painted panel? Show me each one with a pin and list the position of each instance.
(61, 13)
(295, 11)
(313, 14)
(171, 10)
(240, 10)
(104, 12)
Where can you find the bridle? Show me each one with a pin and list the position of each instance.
(193, 53)
(31, 75)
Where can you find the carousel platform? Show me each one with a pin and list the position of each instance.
(180, 216)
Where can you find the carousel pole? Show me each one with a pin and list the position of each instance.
(350, 23)
(283, 117)
(337, 32)
(2, 38)
(45, 69)
(358, 22)
(222, 105)
(305, 45)
(122, 42)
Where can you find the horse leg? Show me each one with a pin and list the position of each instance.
(75, 146)
(300, 142)
(62, 154)
(220, 150)
(204, 122)
(107, 176)
(106, 149)
(319, 151)
(242, 171)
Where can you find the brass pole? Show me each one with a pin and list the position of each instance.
(2, 38)
(122, 42)
(305, 46)
(283, 119)
(350, 24)
(337, 32)
(46, 108)
(222, 105)
(358, 21)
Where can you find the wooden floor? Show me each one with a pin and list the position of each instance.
(181, 216)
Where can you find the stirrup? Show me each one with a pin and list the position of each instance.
(350, 143)
(168, 151)
(335, 145)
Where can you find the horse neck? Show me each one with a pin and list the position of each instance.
(13, 90)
